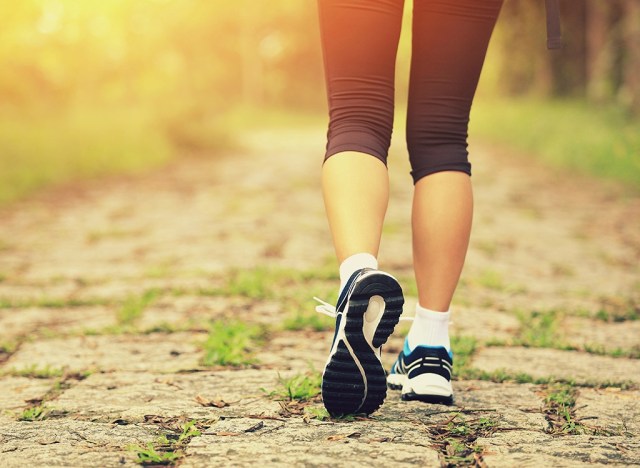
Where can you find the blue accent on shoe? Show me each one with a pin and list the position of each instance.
(407, 350)
(424, 360)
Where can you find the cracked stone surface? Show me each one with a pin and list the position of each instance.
(132, 395)
(316, 444)
(72, 257)
(15, 392)
(611, 408)
(576, 449)
(37, 320)
(580, 331)
(158, 352)
(67, 442)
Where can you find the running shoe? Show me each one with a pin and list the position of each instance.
(354, 380)
(423, 374)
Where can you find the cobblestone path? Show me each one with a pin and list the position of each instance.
(119, 298)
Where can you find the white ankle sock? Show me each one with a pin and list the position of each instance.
(353, 263)
(429, 328)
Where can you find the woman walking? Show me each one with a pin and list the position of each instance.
(360, 40)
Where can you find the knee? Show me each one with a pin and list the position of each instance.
(436, 144)
(360, 119)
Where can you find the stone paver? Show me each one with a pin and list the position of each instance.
(67, 442)
(25, 322)
(131, 396)
(611, 409)
(541, 362)
(287, 351)
(575, 450)
(15, 392)
(484, 324)
(316, 444)
(72, 257)
(579, 331)
(158, 352)
(536, 459)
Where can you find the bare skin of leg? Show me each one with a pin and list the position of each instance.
(441, 223)
(355, 187)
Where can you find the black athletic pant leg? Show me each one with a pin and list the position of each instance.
(449, 44)
(359, 42)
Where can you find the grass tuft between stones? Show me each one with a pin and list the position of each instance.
(455, 439)
(299, 387)
(134, 307)
(166, 450)
(299, 395)
(231, 343)
(34, 413)
(560, 412)
(51, 303)
(36, 372)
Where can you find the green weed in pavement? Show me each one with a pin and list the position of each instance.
(319, 413)
(455, 439)
(231, 343)
(538, 330)
(463, 348)
(300, 387)
(134, 307)
(35, 413)
(166, 451)
(36, 372)
(560, 412)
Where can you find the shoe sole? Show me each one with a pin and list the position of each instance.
(396, 381)
(354, 380)
(436, 399)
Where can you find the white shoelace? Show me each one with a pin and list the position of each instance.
(327, 309)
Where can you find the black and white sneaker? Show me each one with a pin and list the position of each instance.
(368, 309)
(423, 374)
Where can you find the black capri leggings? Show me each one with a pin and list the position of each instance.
(449, 44)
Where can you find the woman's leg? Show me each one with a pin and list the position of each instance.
(355, 187)
(441, 223)
(359, 40)
(450, 39)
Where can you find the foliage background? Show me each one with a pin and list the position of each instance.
(91, 87)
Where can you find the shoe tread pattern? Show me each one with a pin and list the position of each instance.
(343, 389)
(376, 384)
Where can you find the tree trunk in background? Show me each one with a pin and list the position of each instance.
(630, 89)
(524, 65)
(600, 53)
(616, 38)
(600, 58)
(570, 67)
